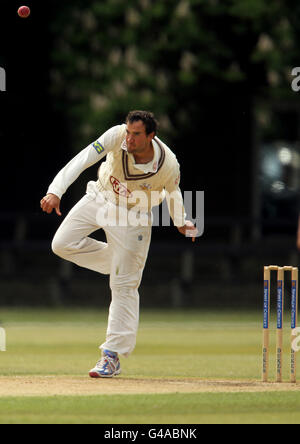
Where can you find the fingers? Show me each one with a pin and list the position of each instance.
(45, 206)
(48, 204)
(58, 211)
(192, 232)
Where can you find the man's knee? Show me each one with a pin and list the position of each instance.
(59, 247)
(127, 282)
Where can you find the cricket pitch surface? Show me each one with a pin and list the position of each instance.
(67, 386)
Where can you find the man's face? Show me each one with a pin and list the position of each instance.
(136, 138)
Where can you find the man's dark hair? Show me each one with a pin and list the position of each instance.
(146, 117)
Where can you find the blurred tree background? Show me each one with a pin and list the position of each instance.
(76, 68)
(199, 65)
(170, 56)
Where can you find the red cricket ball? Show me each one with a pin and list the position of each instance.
(24, 11)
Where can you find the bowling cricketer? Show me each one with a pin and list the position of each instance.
(137, 161)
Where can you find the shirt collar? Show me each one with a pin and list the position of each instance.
(150, 167)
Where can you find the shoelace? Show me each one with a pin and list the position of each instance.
(112, 362)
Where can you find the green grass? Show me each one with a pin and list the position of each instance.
(204, 408)
(171, 344)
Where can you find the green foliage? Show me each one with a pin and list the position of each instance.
(169, 56)
(251, 9)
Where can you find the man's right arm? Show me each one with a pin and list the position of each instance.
(85, 159)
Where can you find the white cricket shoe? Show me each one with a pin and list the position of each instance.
(108, 366)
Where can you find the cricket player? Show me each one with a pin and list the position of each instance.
(138, 164)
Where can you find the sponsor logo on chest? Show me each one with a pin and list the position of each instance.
(120, 188)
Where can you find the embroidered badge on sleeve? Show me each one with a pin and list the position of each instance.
(98, 147)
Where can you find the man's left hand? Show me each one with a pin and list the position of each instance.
(189, 230)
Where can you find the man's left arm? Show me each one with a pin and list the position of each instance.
(176, 205)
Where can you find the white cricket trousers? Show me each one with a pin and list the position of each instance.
(123, 257)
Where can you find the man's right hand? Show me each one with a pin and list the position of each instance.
(49, 203)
